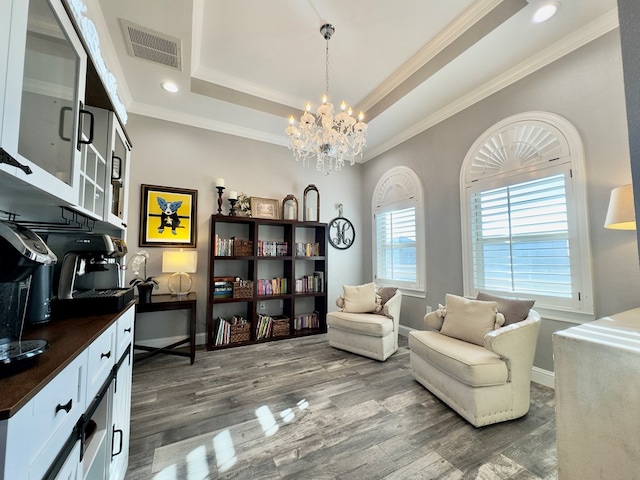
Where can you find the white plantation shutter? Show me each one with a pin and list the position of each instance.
(520, 238)
(398, 231)
(396, 246)
(525, 226)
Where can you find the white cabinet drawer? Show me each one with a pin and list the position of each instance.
(102, 353)
(124, 335)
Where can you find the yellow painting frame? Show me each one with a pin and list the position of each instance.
(168, 216)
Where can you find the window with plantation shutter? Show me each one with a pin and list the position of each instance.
(520, 238)
(398, 243)
(525, 230)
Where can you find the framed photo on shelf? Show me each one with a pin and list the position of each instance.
(265, 208)
(168, 216)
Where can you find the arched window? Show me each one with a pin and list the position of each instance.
(398, 224)
(524, 214)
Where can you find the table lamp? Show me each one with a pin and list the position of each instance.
(181, 264)
(621, 213)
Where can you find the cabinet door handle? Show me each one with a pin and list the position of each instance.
(80, 124)
(105, 355)
(116, 167)
(113, 438)
(66, 407)
(127, 330)
(63, 112)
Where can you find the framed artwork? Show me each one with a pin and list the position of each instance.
(265, 208)
(168, 216)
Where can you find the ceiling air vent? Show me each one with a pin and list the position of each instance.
(150, 45)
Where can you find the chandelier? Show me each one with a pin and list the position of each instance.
(331, 139)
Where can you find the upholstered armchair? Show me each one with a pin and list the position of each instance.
(475, 361)
(367, 322)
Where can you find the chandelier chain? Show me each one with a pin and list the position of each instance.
(327, 70)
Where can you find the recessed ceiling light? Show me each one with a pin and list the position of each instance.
(169, 87)
(545, 11)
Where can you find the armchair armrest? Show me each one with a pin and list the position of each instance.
(516, 343)
(392, 308)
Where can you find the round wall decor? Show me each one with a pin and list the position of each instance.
(341, 233)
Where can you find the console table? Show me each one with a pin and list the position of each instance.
(166, 303)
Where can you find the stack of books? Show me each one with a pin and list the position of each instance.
(274, 286)
(307, 249)
(310, 283)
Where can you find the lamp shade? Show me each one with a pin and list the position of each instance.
(621, 214)
(179, 261)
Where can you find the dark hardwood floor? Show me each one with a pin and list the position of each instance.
(300, 409)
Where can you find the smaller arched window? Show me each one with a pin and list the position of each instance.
(398, 231)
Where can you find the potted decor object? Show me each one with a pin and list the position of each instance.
(144, 284)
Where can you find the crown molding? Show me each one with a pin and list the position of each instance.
(207, 124)
(456, 28)
(579, 38)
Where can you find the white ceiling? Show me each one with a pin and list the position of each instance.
(408, 64)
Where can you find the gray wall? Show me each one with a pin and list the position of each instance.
(171, 154)
(586, 88)
(629, 13)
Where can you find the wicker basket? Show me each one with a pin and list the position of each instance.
(240, 333)
(280, 327)
(243, 289)
(242, 248)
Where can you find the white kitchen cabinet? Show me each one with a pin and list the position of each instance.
(42, 96)
(36, 433)
(42, 439)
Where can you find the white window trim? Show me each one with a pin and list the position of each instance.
(403, 179)
(569, 150)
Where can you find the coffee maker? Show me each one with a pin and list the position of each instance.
(22, 252)
(89, 278)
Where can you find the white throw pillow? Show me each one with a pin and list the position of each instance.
(359, 298)
(469, 320)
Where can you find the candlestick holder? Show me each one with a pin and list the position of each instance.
(232, 210)
(220, 190)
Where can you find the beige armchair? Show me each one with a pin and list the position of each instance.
(373, 335)
(486, 383)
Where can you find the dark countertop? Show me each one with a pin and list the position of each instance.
(67, 338)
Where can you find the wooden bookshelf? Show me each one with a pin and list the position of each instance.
(284, 262)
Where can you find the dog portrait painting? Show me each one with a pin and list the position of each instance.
(168, 216)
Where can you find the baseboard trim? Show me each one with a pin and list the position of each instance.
(201, 339)
(538, 375)
(543, 377)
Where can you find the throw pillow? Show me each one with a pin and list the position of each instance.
(383, 294)
(386, 293)
(468, 320)
(514, 310)
(359, 298)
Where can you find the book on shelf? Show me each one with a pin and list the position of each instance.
(224, 329)
(273, 286)
(263, 326)
(229, 247)
(310, 283)
(269, 248)
(306, 320)
(307, 249)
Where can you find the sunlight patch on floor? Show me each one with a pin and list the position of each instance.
(199, 456)
(225, 451)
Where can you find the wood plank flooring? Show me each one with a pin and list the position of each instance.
(299, 409)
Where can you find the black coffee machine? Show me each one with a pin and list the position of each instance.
(22, 252)
(88, 280)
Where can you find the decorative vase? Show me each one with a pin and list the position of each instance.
(144, 292)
